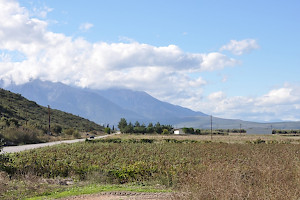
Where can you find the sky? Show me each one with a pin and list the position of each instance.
(232, 59)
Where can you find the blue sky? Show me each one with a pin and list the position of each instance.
(232, 59)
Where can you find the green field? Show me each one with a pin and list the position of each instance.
(228, 167)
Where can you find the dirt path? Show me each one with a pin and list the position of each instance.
(122, 196)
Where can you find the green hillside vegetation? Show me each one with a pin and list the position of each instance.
(23, 121)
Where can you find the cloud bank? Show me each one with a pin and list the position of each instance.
(282, 103)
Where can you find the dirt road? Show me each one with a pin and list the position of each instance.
(14, 149)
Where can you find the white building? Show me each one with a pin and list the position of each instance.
(178, 131)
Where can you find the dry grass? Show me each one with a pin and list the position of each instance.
(247, 172)
(227, 168)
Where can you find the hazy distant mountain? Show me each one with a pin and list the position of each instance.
(204, 122)
(148, 106)
(108, 106)
(103, 106)
(74, 100)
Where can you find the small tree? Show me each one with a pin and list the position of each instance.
(165, 132)
(107, 130)
(128, 128)
(158, 128)
(150, 128)
(122, 124)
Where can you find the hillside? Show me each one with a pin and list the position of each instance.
(16, 111)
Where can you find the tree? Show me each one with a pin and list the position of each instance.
(137, 124)
(107, 130)
(128, 128)
(122, 124)
(158, 128)
(188, 130)
(140, 129)
(150, 128)
(198, 131)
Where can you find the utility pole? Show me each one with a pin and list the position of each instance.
(49, 130)
(271, 129)
(240, 129)
(26, 118)
(211, 127)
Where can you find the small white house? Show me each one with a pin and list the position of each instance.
(178, 131)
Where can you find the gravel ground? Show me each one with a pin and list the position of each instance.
(123, 196)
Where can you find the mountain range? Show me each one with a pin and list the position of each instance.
(104, 106)
(109, 105)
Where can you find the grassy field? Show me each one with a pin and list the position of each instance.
(228, 167)
(233, 138)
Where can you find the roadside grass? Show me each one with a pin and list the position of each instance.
(95, 188)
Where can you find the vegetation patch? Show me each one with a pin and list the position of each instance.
(95, 188)
(211, 170)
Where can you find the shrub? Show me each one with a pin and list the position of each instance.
(76, 134)
(107, 130)
(21, 135)
(57, 129)
(69, 131)
(165, 132)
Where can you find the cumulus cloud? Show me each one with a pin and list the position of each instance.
(85, 26)
(75, 61)
(281, 103)
(240, 47)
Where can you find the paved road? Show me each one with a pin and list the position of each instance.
(13, 149)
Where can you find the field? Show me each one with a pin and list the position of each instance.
(193, 167)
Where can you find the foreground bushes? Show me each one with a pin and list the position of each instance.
(21, 135)
(202, 171)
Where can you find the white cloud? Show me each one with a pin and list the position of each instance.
(278, 104)
(162, 71)
(216, 96)
(279, 96)
(215, 60)
(41, 12)
(85, 26)
(240, 47)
